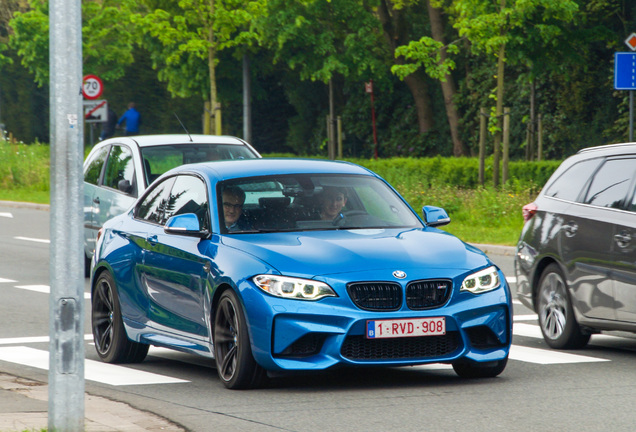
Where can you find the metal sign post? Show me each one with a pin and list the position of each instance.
(66, 302)
(625, 76)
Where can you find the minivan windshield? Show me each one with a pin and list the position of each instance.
(162, 158)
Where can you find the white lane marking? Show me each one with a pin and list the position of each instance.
(45, 289)
(516, 302)
(544, 357)
(527, 330)
(93, 370)
(33, 339)
(530, 317)
(7, 281)
(7, 215)
(37, 240)
(511, 279)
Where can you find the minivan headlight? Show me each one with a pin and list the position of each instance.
(293, 288)
(482, 281)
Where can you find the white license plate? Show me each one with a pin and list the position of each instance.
(406, 327)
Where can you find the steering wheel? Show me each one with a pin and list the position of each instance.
(340, 220)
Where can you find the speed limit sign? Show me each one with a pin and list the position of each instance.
(92, 87)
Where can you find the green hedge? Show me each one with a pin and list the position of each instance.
(455, 172)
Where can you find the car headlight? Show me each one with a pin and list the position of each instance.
(293, 288)
(482, 281)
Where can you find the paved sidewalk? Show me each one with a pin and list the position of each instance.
(24, 407)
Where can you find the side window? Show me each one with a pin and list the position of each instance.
(153, 207)
(569, 185)
(94, 166)
(611, 183)
(120, 167)
(188, 195)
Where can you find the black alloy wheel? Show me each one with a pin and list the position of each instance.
(235, 364)
(111, 342)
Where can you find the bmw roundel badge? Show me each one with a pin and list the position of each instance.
(399, 274)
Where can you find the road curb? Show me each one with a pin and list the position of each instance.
(495, 249)
(29, 205)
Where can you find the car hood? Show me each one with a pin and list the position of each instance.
(321, 253)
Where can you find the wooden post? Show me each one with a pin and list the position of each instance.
(339, 120)
(539, 138)
(218, 128)
(482, 144)
(206, 117)
(506, 145)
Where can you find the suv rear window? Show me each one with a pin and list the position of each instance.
(569, 185)
(611, 183)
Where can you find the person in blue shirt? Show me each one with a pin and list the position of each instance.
(132, 119)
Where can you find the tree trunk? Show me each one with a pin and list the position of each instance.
(448, 87)
(392, 21)
(211, 60)
(499, 114)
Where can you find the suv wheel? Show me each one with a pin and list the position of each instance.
(556, 316)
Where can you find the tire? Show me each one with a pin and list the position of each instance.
(235, 363)
(87, 266)
(556, 316)
(470, 369)
(111, 342)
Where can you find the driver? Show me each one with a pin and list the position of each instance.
(332, 200)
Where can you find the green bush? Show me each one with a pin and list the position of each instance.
(24, 166)
(479, 214)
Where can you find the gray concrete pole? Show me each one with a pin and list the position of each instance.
(66, 304)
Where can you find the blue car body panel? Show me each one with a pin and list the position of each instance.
(168, 284)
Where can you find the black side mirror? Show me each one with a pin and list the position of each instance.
(124, 186)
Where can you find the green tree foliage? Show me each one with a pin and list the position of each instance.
(157, 53)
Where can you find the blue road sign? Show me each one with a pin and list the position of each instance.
(625, 71)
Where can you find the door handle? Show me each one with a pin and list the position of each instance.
(623, 239)
(96, 200)
(570, 229)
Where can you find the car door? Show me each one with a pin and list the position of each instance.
(624, 251)
(173, 271)
(589, 234)
(118, 187)
(93, 169)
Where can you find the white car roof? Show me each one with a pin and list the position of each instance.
(168, 139)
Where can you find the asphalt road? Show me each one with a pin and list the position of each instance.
(541, 389)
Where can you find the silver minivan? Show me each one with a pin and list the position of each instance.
(118, 170)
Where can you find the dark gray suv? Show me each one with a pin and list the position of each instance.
(576, 258)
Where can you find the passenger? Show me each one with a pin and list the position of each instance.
(332, 200)
(233, 199)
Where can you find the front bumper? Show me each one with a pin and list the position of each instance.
(296, 335)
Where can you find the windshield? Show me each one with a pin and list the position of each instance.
(159, 159)
(311, 202)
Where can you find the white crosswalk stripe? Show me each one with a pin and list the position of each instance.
(543, 356)
(93, 370)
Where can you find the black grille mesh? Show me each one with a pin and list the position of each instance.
(376, 296)
(427, 294)
(361, 348)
